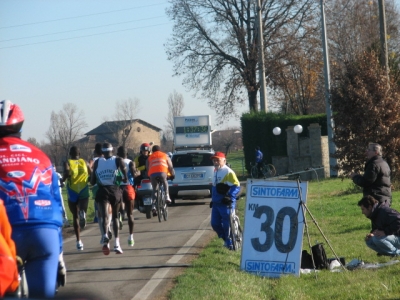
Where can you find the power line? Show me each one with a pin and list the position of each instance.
(74, 30)
(82, 16)
(78, 37)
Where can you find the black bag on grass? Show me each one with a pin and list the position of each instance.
(319, 255)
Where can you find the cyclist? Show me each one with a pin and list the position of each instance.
(128, 192)
(109, 171)
(259, 158)
(76, 173)
(158, 165)
(225, 189)
(30, 190)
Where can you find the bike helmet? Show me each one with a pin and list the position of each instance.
(144, 147)
(11, 118)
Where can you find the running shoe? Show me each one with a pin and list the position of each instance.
(154, 212)
(131, 242)
(79, 245)
(118, 249)
(106, 246)
(82, 219)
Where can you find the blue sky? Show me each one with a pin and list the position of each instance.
(53, 67)
(51, 54)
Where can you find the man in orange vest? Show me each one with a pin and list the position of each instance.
(8, 272)
(158, 165)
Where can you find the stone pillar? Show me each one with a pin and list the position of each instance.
(315, 145)
(292, 142)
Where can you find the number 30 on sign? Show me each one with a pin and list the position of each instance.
(273, 228)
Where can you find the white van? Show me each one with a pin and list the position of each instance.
(194, 170)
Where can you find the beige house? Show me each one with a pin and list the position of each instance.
(128, 133)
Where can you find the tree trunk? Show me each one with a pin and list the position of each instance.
(253, 105)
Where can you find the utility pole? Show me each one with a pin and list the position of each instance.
(263, 95)
(330, 122)
(382, 31)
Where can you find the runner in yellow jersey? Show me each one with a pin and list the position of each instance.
(76, 173)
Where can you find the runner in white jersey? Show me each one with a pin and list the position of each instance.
(109, 172)
(98, 217)
(128, 192)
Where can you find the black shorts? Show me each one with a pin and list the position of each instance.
(109, 193)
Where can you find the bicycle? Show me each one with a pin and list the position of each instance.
(161, 206)
(267, 170)
(235, 231)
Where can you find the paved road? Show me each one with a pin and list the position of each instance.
(146, 271)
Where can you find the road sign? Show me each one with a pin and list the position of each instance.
(273, 227)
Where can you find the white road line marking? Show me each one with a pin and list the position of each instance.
(158, 276)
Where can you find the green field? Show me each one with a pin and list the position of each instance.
(216, 273)
(236, 161)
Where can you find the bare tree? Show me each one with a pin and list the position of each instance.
(175, 107)
(66, 127)
(33, 141)
(214, 45)
(298, 78)
(122, 123)
(227, 139)
(353, 27)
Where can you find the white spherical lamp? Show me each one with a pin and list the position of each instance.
(276, 131)
(298, 129)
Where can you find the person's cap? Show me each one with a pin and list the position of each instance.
(218, 155)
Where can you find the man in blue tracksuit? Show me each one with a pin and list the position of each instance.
(225, 188)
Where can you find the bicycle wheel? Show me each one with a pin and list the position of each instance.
(159, 202)
(269, 171)
(236, 233)
(164, 205)
(254, 172)
(165, 212)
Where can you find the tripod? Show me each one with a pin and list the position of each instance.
(304, 208)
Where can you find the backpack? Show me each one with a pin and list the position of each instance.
(319, 255)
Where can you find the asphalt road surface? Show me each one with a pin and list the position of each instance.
(161, 252)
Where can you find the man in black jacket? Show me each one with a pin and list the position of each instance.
(384, 237)
(376, 179)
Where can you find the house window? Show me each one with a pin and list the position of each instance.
(138, 129)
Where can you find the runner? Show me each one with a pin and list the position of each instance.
(76, 173)
(128, 192)
(108, 171)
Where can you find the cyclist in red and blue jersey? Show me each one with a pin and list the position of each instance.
(30, 190)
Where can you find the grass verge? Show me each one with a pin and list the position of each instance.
(216, 273)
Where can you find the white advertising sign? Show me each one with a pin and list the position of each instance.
(273, 227)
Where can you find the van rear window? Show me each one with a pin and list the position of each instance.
(192, 160)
